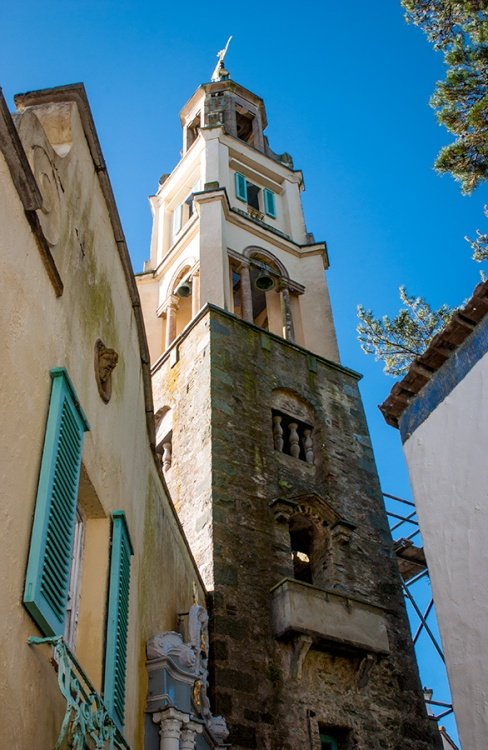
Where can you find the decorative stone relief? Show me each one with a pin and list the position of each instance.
(178, 680)
(48, 182)
(364, 670)
(105, 361)
(217, 727)
(301, 647)
(171, 644)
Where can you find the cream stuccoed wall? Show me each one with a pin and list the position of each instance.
(304, 266)
(206, 240)
(174, 189)
(446, 457)
(41, 330)
(221, 225)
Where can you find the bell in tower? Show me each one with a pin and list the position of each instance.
(266, 451)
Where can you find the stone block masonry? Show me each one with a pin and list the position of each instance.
(256, 514)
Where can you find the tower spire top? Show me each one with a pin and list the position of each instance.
(220, 73)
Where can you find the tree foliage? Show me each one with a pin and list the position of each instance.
(479, 245)
(399, 340)
(460, 29)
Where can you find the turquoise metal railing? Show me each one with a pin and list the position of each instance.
(86, 718)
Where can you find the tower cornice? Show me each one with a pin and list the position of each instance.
(259, 228)
(211, 310)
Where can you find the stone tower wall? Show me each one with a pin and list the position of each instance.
(274, 694)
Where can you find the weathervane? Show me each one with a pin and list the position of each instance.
(220, 73)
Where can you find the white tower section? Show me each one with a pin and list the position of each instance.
(229, 230)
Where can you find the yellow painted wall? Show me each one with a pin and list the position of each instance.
(41, 331)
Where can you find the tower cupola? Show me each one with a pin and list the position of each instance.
(228, 105)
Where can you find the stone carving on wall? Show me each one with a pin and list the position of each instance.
(178, 675)
(48, 181)
(105, 362)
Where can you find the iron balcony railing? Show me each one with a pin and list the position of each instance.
(87, 722)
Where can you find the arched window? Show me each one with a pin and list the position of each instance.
(182, 302)
(302, 542)
(261, 291)
(310, 548)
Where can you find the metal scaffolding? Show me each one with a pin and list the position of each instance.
(402, 515)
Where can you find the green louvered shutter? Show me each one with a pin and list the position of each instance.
(241, 187)
(117, 619)
(269, 203)
(48, 568)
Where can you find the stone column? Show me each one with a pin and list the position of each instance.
(278, 433)
(188, 735)
(308, 446)
(288, 330)
(294, 440)
(195, 292)
(246, 293)
(171, 309)
(170, 721)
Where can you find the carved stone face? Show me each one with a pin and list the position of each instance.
(105, 361)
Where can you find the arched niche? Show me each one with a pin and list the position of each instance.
(258, 281)
(179, 295)
(261, 255)
(318, 539)
(293, 423)
(310, 525)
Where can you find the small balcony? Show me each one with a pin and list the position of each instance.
(328, 617)
(87, 722)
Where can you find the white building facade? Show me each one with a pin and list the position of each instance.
(440, 408)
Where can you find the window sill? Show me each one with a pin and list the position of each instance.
(289, 460)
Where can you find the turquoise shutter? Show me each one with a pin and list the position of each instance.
(48, 567)
(241, 187)
(117, 619)
(269, 203)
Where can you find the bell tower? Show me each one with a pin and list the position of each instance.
(229, 230)
(266, 451)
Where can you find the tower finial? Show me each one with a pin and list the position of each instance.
(220, 73)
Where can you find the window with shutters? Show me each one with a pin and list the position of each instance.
(50, 555)
(117, 619)
(259, 201)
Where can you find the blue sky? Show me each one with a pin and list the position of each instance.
(346, 87)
